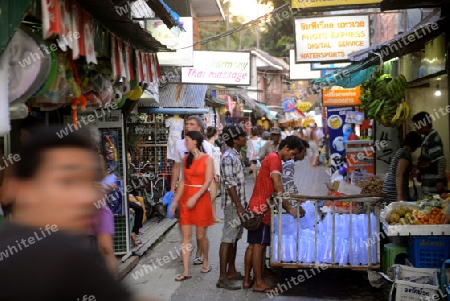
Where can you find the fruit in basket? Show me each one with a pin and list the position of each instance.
(395, 218)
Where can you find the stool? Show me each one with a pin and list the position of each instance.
(391, 251)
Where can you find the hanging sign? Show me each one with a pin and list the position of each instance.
(303, 106)
(306, 4)
(289, 104)
(330, 38)
(338, 96)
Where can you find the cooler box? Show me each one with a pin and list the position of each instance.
(391, 251)
(428, 251)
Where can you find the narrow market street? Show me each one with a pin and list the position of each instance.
(154, 275)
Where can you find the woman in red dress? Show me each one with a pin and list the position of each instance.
(194, 200)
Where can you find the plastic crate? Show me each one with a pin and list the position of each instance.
(428, 251)
(390, 252)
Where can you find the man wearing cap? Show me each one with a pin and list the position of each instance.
(271, 146)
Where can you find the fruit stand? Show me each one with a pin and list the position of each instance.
(424, 223)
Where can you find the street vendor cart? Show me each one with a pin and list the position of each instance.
(336, 232)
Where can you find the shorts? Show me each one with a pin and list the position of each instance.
(260, 236)
(313, 149)
(232, 228)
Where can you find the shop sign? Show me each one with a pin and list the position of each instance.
(289, 104)
(330, 38)
(338, 96)
(306, 4)
(300, 71)
(218, 68)
(303, 106)
(320, 66)
(179, 41)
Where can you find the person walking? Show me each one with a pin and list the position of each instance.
(313, 137)
(272, 145)
(193, 123)
(55, 188)
(432, 162)
(287, 177)
(396, 184)
(212, 135)
(233, 204)
(253, 149)
(267, 182)
(194, 201)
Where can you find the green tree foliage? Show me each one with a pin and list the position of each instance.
(279, 32)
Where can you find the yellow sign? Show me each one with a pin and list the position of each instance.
(306, 4)
(303, 106)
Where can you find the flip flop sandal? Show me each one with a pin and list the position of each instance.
(206, 269)
(228, 285)
(238, 276)
(182, 277)
(248, 286)
(266, 290)
(198, 261)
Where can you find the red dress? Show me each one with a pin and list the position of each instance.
(194, 178)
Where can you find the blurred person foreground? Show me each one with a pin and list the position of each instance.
(44, 246)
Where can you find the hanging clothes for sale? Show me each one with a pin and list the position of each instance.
(175, 125)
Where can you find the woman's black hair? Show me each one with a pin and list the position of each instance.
(413, 140)
(198, 137)
(211, 131)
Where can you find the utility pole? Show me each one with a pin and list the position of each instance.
(227, 26)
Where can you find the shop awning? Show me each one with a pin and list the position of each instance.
(181, 96)
(267, 111)
(122, 26)
(165, 13)
(174, 111)
(214, 102)
(367, 59)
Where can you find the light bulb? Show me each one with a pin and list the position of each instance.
(437, 93)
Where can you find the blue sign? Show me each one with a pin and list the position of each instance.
(320, 66)
(289, 104)
(336, 133)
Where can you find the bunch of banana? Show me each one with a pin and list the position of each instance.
(401, 114)
(396, 88)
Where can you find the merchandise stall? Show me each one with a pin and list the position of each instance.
(77, 68)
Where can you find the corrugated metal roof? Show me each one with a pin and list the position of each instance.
(181, 96)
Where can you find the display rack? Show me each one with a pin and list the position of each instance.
(150, 135)
(113, 122)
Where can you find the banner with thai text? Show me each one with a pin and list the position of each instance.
(338, 96)
(330, 38)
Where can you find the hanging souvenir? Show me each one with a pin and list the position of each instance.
(89, 38)
(115, 65)
(139, 68)
(51, 18)
(150, 67)
(75, 18)
(144, 67)
(80, 39)
(158, 69)
(129, 63)
(121, 58)
(65, 40)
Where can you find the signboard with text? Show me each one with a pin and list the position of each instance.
(308, 4)
(183, 56)
(338, 96)
(330, 38)
(219, 68)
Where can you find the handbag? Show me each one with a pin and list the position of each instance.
(251, 220)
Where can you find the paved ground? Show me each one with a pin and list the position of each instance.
(155, 273)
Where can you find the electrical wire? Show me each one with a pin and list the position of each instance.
(263, 19)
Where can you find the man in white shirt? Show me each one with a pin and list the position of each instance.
(193, 123)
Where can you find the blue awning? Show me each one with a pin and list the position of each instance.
(267, 111)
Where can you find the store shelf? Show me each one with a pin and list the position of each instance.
(409, 230)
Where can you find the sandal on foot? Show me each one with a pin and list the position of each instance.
(182, 277)
(198, 261)
(248, 286)
(266, 290)
(229, 285)
(206, 269)
(238, 276)
(218, 220)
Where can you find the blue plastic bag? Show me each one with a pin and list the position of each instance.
(167, 201)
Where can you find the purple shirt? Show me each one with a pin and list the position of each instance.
(103, 222)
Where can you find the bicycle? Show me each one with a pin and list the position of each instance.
(152, 200)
